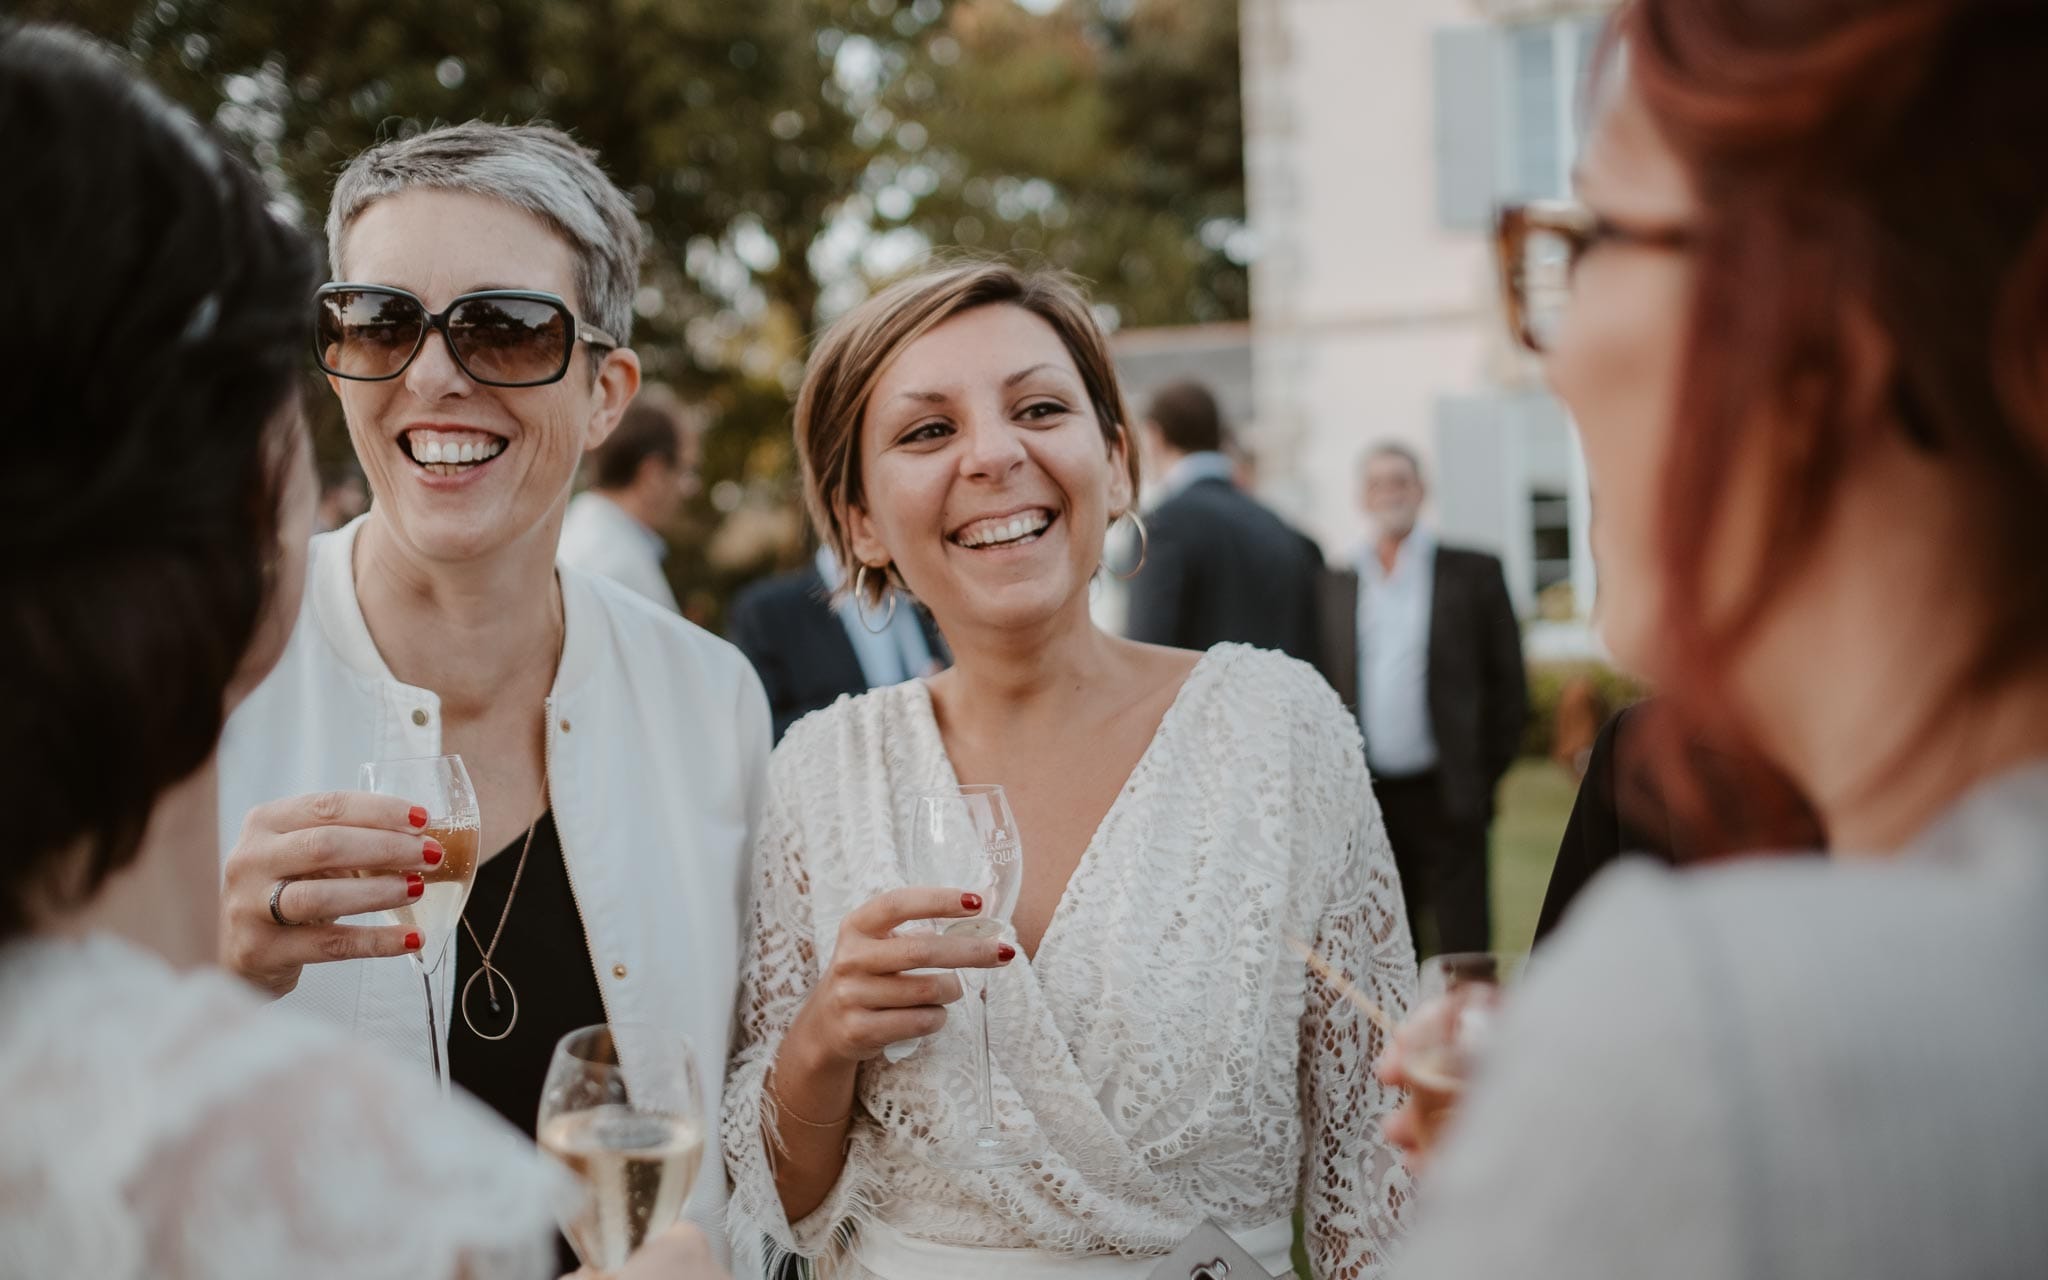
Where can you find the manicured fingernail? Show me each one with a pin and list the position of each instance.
(971, 901)
(412, 940)
(430, 849)
(418, 816)
(414, 884)
(1005, 952)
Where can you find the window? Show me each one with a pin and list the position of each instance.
(1542, 69)
(1550, 528)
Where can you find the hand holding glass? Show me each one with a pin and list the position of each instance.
(966, 838)
(1437, 1048)
(440, 785)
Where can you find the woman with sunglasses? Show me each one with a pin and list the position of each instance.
(1801, 321)
(475, 336)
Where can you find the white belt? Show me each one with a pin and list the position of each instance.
(888, 1254)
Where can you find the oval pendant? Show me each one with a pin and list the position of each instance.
(491, 1011)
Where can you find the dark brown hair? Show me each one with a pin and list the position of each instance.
(851, 356)
(1187, 416)
(1874, 164)
(648, 429)
(156, 330)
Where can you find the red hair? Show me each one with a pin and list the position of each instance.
(1863, 166)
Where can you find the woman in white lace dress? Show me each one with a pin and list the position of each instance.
(1187, 821)
(157, 495)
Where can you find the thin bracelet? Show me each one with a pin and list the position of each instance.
(782, 1108)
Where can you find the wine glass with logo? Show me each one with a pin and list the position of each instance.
(441, 786)
(966, 838)
(637, 1149)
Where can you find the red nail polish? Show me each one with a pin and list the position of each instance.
(431, 851)
(971, 901)
(412, 940)
(1005, 952)
(418, 816)
(414, 885)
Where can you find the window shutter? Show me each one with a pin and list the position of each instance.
(1536, 164)
(1471, 484)
(1466, 109)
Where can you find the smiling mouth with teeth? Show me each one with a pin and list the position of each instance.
(447, 453)
(1016, 531)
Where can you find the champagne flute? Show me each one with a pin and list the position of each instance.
(637, 1151)
(1457, 999)
(966, 838)
(441, 786)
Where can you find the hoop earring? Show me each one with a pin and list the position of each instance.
(860, 609)
(1144, 543)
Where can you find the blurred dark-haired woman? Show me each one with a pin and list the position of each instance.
(1802, 332)
(156, 495)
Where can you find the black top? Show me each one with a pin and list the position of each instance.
(1601, 832)
(1623, 810)
(545, 957)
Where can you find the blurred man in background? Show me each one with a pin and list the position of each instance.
(1421, 639)
(810, 649)
(1218, 565)
(342, 496)
(641, 476)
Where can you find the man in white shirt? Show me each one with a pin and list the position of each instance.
(642, 475)
(1422, 641)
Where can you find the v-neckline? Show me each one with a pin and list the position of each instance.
(1090, 852)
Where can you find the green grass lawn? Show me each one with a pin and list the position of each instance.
(1535, 799)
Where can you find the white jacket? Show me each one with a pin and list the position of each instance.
(657, 752)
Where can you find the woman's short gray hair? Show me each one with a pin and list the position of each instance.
(534, 167)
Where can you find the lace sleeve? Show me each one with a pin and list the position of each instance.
(1354, 1188)
(337, 1166)
(777, 972)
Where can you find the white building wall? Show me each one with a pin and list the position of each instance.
(1372, 318)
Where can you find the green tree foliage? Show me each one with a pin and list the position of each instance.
(780, 152)
(1105, 135)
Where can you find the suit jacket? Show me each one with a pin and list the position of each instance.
(786, 627)
(1221, 567)
(1478, 689)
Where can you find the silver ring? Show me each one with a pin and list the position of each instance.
(275, 914)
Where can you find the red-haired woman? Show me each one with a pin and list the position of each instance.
(1806, 341)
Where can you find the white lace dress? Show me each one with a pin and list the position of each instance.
(1167, 1042)
(167, 1125)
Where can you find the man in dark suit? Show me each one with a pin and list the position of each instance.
(808, 651)
(1218, 565)
(1422, 642)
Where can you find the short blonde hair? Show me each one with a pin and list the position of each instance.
(850, 357)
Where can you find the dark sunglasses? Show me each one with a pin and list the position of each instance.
(499, 337)
(1539, 246)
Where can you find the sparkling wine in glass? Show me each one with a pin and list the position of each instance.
(637, 1151)
(966, 838)
(1457, 999)
(441, 786)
